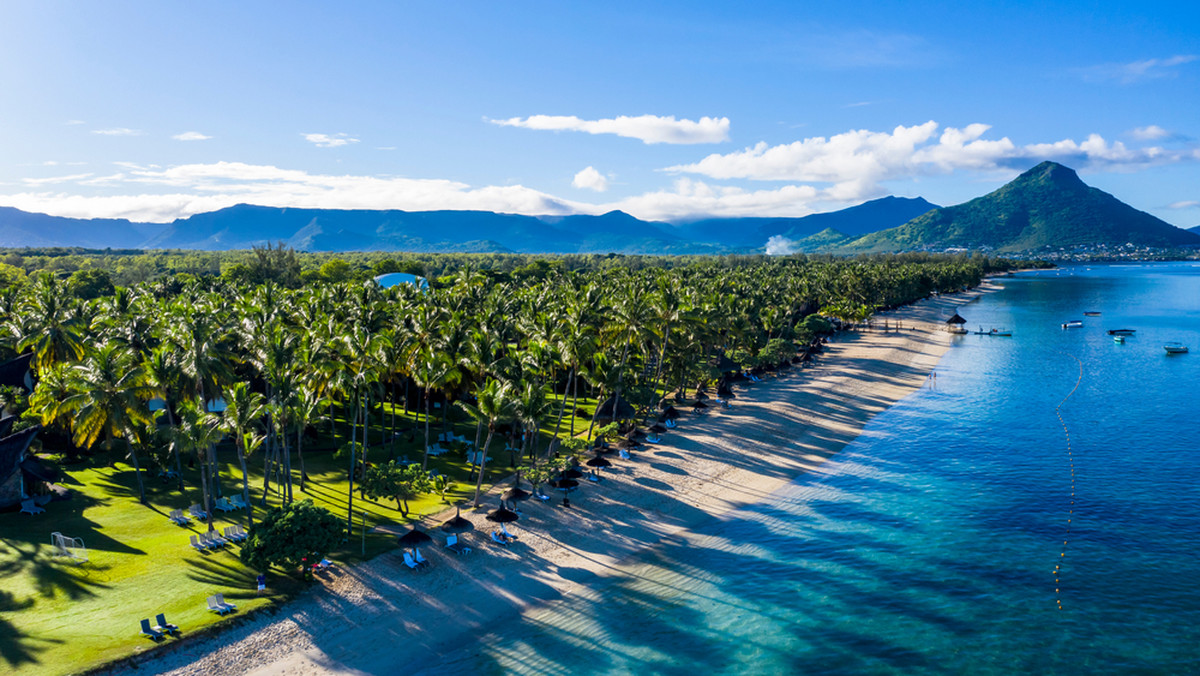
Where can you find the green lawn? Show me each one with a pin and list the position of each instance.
(59, 618)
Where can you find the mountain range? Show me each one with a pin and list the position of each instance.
(1046, 206)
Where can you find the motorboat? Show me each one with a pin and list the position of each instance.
(1121, 332)
(993, 332)
(1119, 340)
(1073, 324)
(1091, 313)
(1175, 348)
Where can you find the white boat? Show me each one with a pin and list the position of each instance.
(1175, 348)
(993, 332)
(1073, 324)
(1119, 340)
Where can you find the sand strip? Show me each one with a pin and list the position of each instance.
(379, 617)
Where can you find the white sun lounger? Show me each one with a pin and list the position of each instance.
(221, 600)
(197, 512)
(178, 517)
(421, 560)
(217, 607)
(196, 544)
(408, 561)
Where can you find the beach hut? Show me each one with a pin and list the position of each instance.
(20, 473)
(955, 324)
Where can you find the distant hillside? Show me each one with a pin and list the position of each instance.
(1045, 206)
(872, 216)
(243, 226)
(22, 228)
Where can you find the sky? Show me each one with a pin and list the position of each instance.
(670, 111)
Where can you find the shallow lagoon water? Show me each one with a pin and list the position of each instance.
(930, 543)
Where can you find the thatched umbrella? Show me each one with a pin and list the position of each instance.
(458, 524)
(956, 319)
(700, 395)
(671, 413)
(503, 515)
(657, 428)
(565, 485)
(635, 434)
(515, 494)
(597, 463)
(413, 538)
(628, 443)
(572, 473)
(699, 406)
(624, 410)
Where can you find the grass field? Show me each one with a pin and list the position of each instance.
(57, 617)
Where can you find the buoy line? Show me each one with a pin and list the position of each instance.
(1071, 463)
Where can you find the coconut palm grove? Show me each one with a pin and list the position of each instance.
(301, 417)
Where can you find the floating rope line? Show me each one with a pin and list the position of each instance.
(1071, 462)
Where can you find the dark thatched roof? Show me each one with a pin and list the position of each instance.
(12, 451)
(12, 372)
(956, 319)
(605, 410)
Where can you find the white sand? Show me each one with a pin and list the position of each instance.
(381, 618)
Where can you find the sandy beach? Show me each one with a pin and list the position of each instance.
(379, 617)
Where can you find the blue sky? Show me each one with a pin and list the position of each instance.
(153, 110)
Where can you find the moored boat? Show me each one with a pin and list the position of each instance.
(1119, 340)
(993, 332)
(1073, 324)
(1091, 313)
(1121, 332)
(1175, 348)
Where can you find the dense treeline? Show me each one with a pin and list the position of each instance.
(514, 344)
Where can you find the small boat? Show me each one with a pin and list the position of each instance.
(1121, 332)
(1091, 313)
(993, 332)
(1073, 324)
(1119, 340)
(1175, 348)
(958, 330)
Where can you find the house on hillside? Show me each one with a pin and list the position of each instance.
(20, 472)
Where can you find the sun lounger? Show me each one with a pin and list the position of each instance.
(421, 560)
(233, 534)
(197, 512)
(669, 424)
(624, 453)
(453, 545)
(147, 630)
(541, 497)
(238, 502)
(221, 600)
(198, 546)
(216, 607)
(504, 529)
(498, 538)
(213, 540)
(164, 626)
(409, 561)
(653, 439)
(178, 517)
(224, 505)
(28, 507)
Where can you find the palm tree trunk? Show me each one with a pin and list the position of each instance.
(208, 506)
(425, 457)
(562, 409)
(482, 463)
(300, 455)
(174, 446)
(241, 448)
(137, 470)
(350, 490)
(574, 402)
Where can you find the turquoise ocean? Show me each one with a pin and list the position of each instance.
(939, 541)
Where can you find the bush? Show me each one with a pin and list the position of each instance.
(289, 535)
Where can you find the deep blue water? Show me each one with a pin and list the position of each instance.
(930, 544)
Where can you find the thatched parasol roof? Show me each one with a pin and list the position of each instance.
(624, 410)
(956, 319)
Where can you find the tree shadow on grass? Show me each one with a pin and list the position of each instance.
(18, 648)
(224, 572)
(51, 575)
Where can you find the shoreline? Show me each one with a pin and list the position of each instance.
(778, 430)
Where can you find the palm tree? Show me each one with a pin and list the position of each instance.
(164, 374)
(108, 398)
(201, 430)
(244, 410)
(494, 404)
(47, 324)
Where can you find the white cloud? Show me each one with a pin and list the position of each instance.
(856, 162)
(195, 188)
(1150, 133)
(118, 131)
(191, 136)
(329, 140)
(1137, 71)
(646, 128)
(590, 179)
(1185, 204)
(778, 245)
(74, 122)
(689, 198)
(73, 178)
